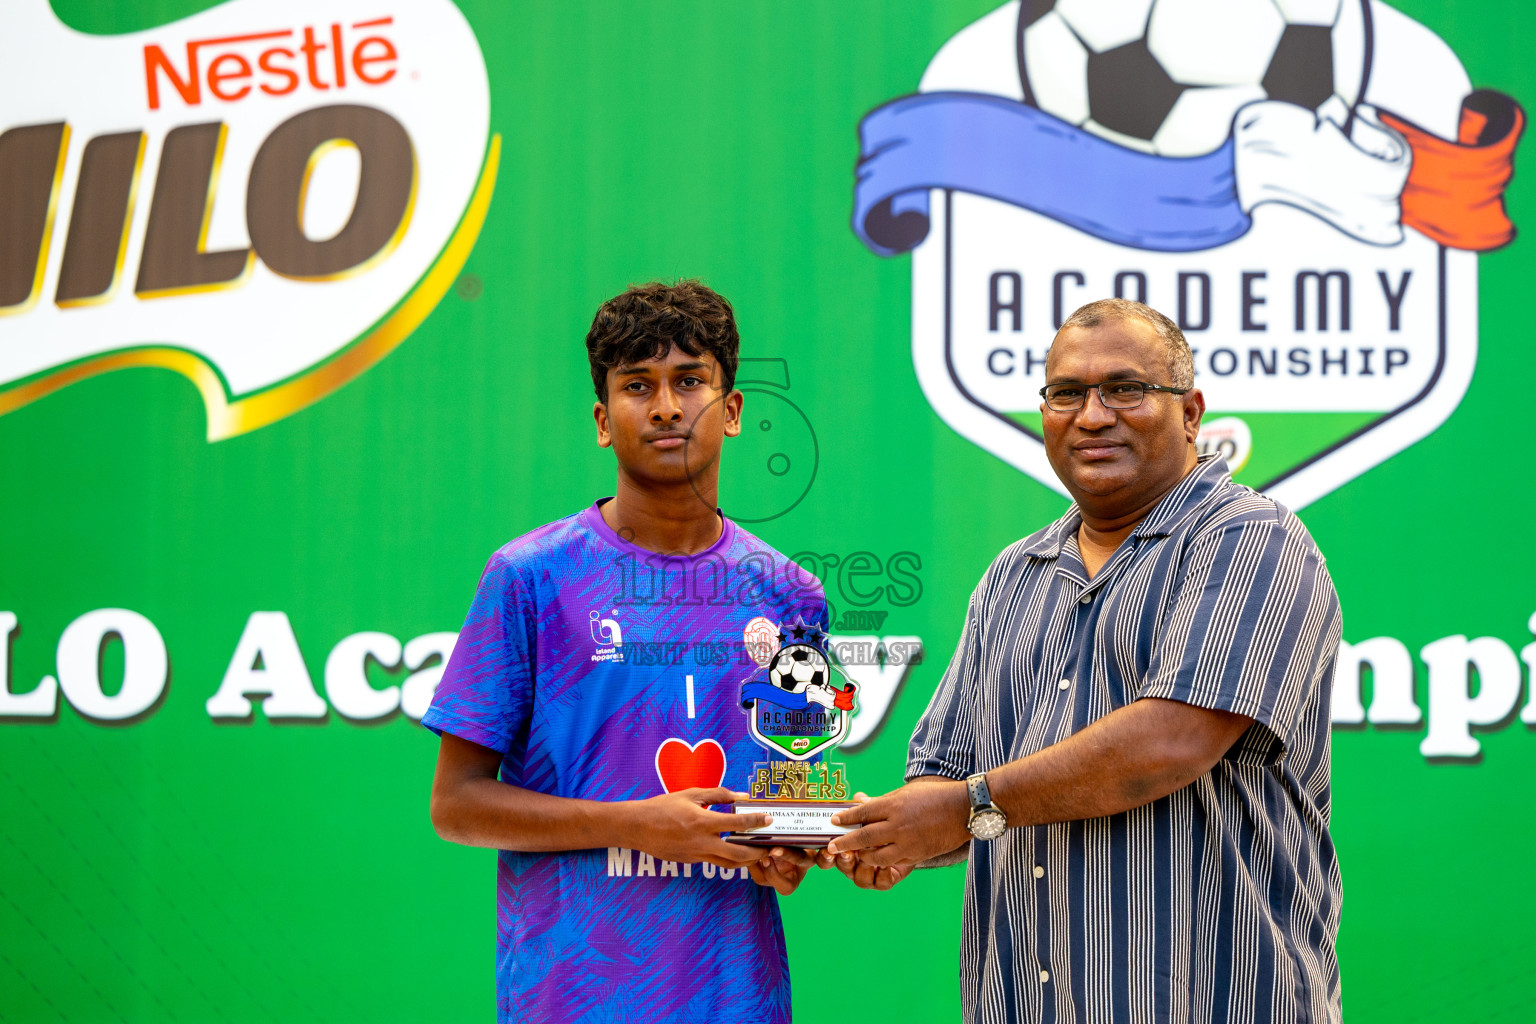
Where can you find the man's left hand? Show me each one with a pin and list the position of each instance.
(862, 874)
(921, 820)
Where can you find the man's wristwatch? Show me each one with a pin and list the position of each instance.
(987, 820)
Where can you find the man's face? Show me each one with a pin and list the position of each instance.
(666, 419)
(1115, 461)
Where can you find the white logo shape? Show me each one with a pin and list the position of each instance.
(1330, 331)
(264, 305)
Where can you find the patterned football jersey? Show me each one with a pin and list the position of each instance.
(604, 671)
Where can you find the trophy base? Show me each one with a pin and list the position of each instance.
(802, 823)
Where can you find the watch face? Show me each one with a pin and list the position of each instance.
(988, 824)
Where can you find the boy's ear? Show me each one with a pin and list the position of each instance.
(733, 403)
(600, 415)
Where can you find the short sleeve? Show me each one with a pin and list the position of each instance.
(1252, 630)
(812, 607)
(944, 742)
(486, 691)
(800, 594)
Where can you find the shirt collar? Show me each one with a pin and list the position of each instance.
(1048, 544)
(1210, 472)
(593, 516)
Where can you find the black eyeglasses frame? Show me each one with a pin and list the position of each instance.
(1099, 387)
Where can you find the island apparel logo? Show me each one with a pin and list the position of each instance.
(607, 636)
(1303, 184)
(266, 197)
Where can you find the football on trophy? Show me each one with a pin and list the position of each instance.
(797, 666)
(1167, 76)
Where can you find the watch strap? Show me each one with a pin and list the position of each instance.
(980, 793)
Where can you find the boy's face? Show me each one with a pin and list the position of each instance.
(666, 418)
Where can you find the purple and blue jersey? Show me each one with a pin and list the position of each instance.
(603, 671)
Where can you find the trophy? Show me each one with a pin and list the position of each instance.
(798, 714)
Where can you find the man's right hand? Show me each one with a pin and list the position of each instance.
(681, 827)
(865, 876)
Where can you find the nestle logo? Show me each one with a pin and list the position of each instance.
(226, 63)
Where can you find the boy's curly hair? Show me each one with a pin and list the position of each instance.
(646, 320)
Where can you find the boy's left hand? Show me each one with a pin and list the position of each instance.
(783, 868)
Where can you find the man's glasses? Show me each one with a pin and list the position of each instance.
(1115, 394)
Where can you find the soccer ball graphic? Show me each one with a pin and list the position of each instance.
(1167, 76)
(797, 666)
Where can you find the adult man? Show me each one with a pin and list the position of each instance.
(599, 679)
(1143, 687)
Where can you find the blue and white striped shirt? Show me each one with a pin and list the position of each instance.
(1220, 902)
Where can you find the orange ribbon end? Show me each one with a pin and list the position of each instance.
(1455, 189)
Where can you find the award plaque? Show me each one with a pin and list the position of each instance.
(800, 708)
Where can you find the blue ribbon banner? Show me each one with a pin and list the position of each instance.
(773, 695)
(1002, 149)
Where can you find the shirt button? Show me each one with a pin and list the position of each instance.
(1045, 976)
(1039, 871)
(1064, 684)
(1087, 598)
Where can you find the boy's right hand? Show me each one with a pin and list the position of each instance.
(681, 827)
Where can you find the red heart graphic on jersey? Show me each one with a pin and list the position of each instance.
(681, 766)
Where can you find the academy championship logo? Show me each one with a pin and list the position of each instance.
(1304, 185)
(800, 704)
(266, 197)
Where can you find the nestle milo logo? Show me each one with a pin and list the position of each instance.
(264, 205)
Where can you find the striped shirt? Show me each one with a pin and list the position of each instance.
(1219, 902)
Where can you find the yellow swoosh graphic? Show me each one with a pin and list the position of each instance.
(228, 418)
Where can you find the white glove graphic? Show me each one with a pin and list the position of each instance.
(821, 694)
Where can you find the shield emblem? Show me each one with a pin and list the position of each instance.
(790, 741)
(1287, 182)
(800, 704)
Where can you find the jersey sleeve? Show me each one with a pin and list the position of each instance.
(800, 594)
(486, 691)
(813, 606)
(944, 742)
(1252, 630)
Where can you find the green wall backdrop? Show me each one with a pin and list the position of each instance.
(177, 867)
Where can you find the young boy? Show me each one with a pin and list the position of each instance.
(597, 675)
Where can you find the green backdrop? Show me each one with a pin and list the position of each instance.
(177, 868)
